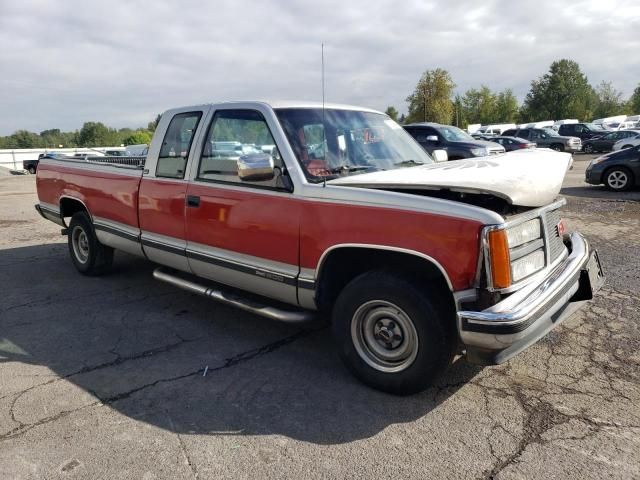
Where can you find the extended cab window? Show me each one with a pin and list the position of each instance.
(234, 134)
(174, 152)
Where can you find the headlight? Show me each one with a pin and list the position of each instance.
(595, 161)
(524, 233)
(479, 152)
(527, 265)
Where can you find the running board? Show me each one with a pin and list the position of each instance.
(235, 300)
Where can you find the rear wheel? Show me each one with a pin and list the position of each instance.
(588, 148)
(32, 170)
(391, 334)
(618, 179)
(89, 256)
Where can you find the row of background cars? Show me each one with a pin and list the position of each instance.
(618, 170)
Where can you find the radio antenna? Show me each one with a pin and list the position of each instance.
(324, 138)
(322, 54)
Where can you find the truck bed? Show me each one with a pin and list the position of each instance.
(107, 186)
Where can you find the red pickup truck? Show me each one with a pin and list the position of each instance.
(288, 209)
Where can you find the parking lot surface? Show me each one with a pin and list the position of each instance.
(104, 377)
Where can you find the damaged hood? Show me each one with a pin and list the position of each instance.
(528, 178)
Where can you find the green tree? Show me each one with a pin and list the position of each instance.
(96, 134)
(479, 105)
(506, 107)
(634, 101)
(563, 92)
(138, 138)
(609, 101)
(23, 139)
(431, 99)
(151, 126)
(392, 112)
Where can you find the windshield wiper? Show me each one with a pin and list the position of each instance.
(350, 168)
(408, 162)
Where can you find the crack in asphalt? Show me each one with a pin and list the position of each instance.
(22, 427)
(540, 416)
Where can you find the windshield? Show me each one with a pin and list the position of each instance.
(334, 142)
(454, 134)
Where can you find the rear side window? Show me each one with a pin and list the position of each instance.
(510, 133)
(176, 145)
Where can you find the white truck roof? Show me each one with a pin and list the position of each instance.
(280, 104)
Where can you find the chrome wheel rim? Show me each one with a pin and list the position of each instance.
(617, 179)
(588, 149)
(384, 336)
(80, 243)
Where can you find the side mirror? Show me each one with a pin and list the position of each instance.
(256, 167)
(440, 155)
(432, 138)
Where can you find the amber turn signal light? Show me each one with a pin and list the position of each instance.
(499, 256)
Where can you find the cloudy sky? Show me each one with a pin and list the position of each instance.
(121, 62)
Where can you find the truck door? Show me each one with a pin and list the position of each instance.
(243, 233)
(163, 192)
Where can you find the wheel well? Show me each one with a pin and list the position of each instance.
(344, 264)
(69, 206)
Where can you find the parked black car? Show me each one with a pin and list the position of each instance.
(458, 143)
(605, 142)
(617, 170)
(547, 138)
(513, 143)
(32, 165)
(583, 131)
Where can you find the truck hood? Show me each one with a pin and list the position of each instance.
(527, 178)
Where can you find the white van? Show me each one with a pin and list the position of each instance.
(566, 121)
(495, 129)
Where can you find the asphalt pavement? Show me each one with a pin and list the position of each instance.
(105, 377)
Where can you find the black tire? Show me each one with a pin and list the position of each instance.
(618, 179)
(558, 147)
(32, 170)
(88, 255)
(424, 347)
(587, 148)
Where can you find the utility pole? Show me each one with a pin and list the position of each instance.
(424, 102)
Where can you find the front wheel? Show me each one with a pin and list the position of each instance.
(89, 256)
(557, 147)
(391, 334)
(618, 179)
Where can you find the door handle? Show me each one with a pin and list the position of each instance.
(193, 201)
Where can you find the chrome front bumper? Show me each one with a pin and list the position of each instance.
(502, 331)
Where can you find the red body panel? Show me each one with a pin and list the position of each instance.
(452, 242)
(162, 207)
(270, 227)
(108, 195)
(250, 222)
(282, 228)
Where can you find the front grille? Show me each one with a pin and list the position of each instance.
(496, 151)
(552, 236)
